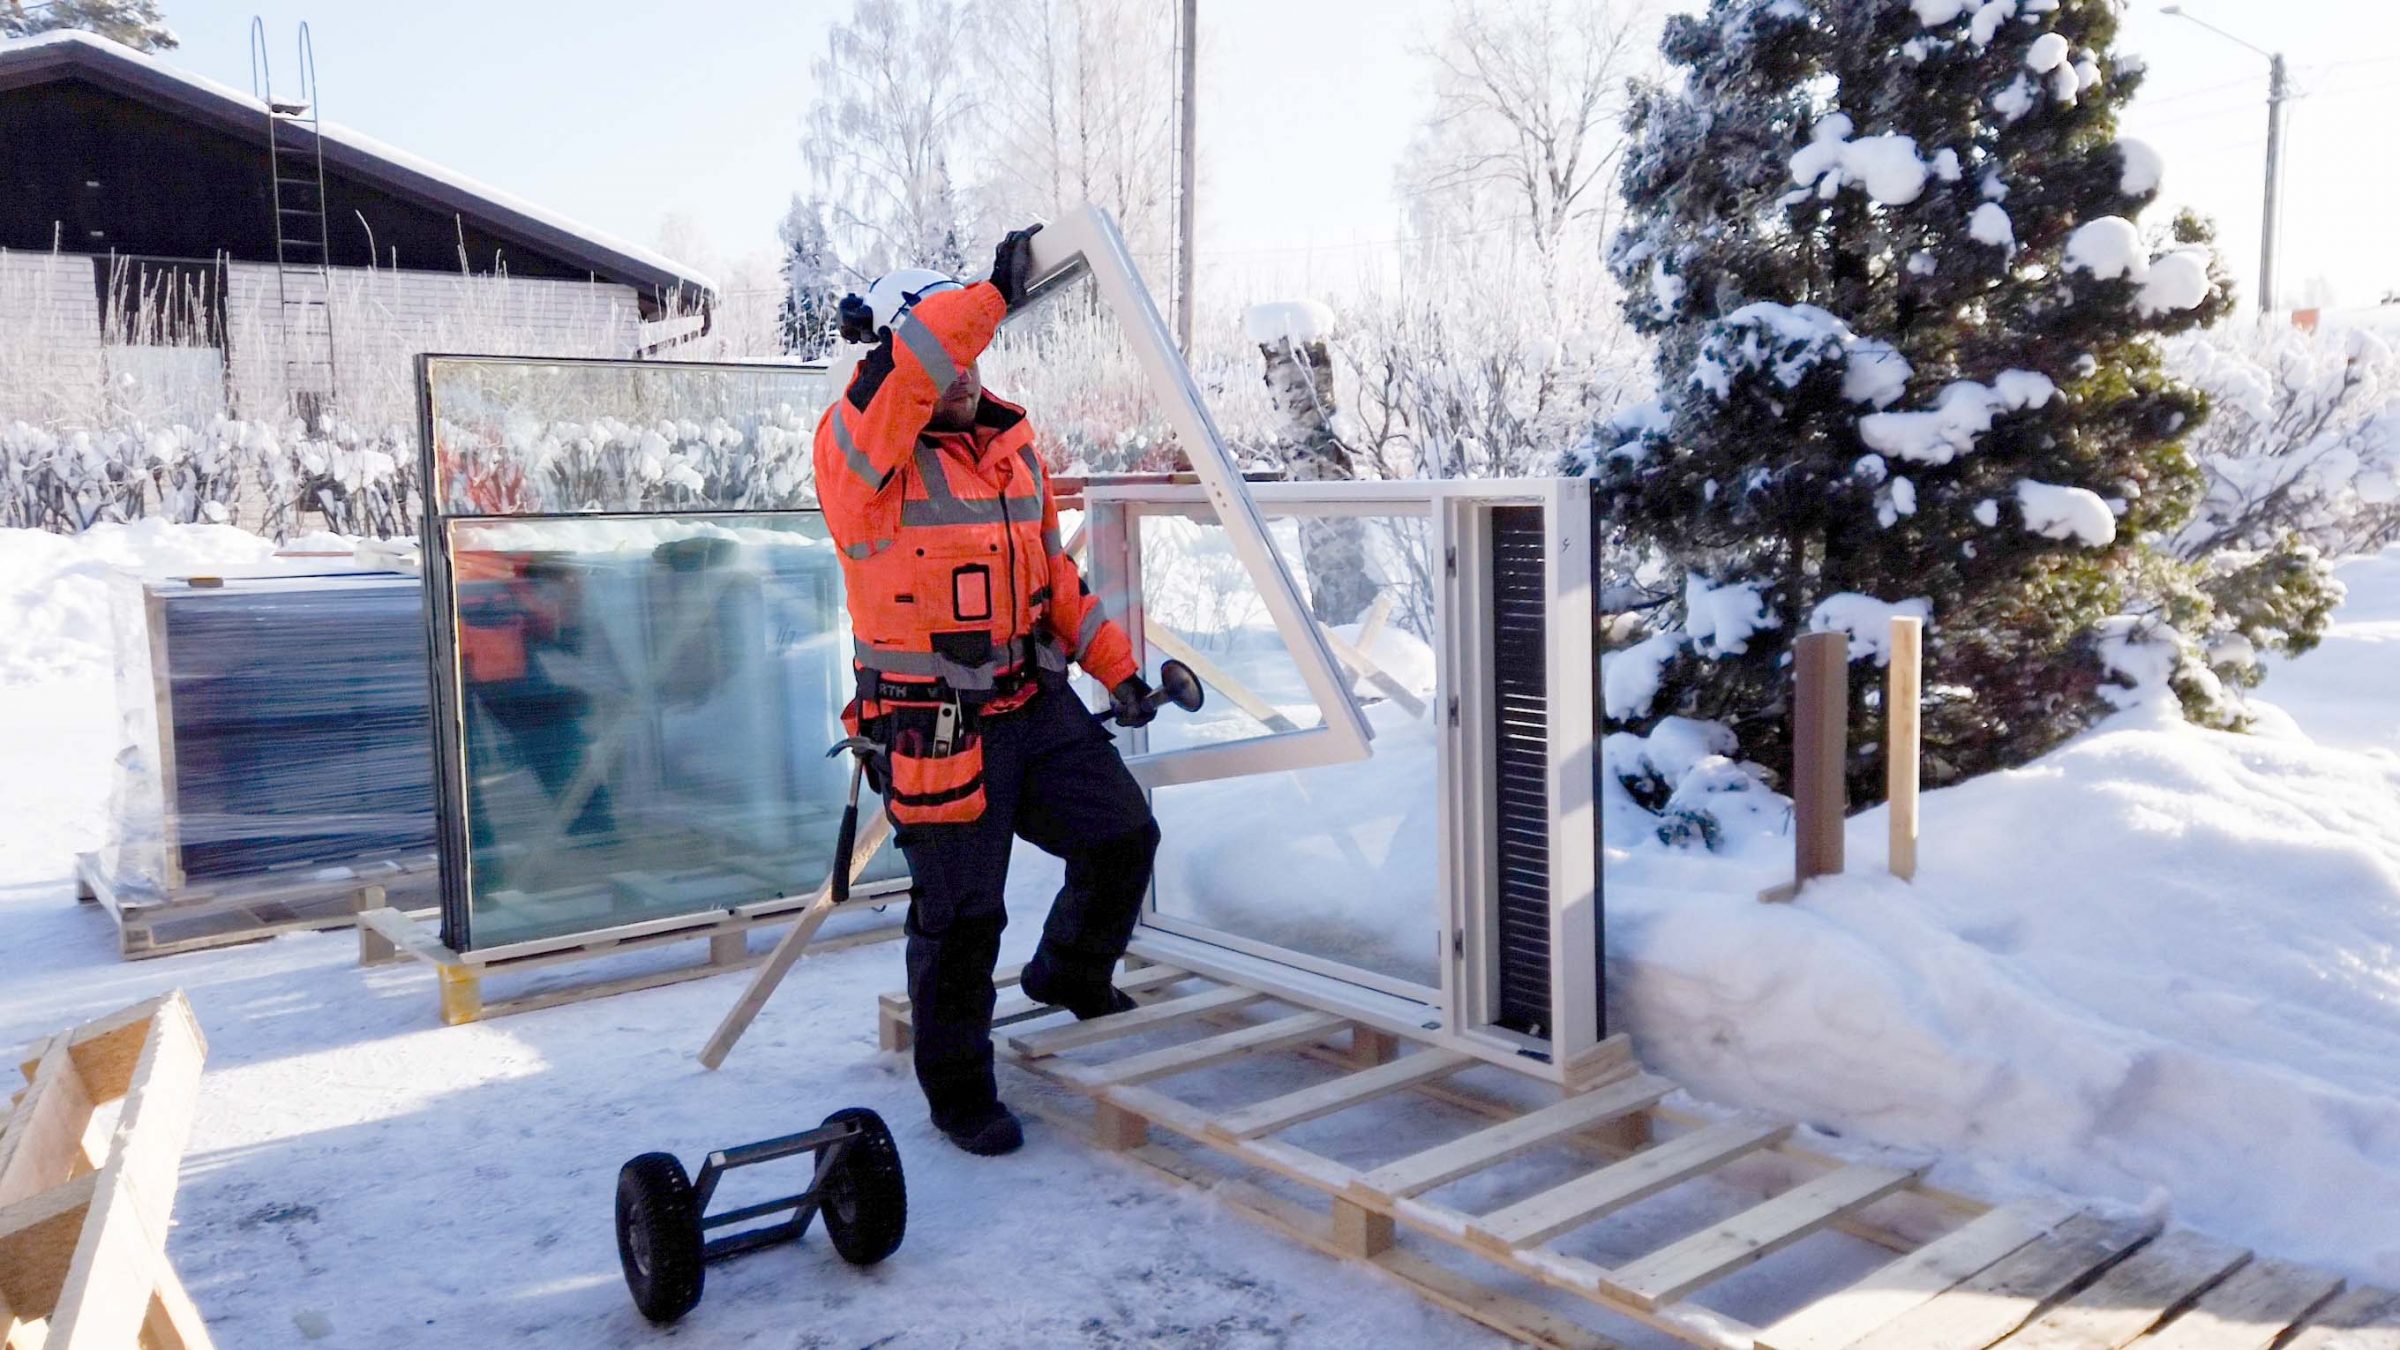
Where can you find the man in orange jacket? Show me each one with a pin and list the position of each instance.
(966, 611)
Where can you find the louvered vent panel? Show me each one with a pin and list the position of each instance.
(1520, 647)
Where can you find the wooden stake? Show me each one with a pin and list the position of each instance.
(872, 833)
(1820, 743)
(1903, 686)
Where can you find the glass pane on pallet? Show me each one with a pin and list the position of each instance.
(529, 437)
(645, 706)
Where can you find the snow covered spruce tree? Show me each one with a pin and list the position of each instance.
(1906, 363)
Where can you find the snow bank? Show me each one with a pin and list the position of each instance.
(54, 588)
(1989, 224)
(2156, 966)
(1293, 321)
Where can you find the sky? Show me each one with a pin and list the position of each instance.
(633, 112)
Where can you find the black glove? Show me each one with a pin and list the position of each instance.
(1130, 703)
(857, 319)
(1012, 264)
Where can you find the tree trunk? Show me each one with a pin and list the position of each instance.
(1333, 549)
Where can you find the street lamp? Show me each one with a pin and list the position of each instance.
(2278, 92)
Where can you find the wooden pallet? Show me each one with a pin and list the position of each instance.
(84, 1216)
(1963, 1274)
(386, 935)
(252, 909)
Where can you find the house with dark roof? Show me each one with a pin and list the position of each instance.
(154, 220)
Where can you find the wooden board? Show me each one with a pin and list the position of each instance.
(1151, 1017)
(2250, 1310)
(1848, 1314)
(2360, 1319)
(1982, 1309)
(1538, 1218)
(1706, 1257)
(1166, 1062)
(1324, 1099)
(2135, 1295)
(1445, 1163)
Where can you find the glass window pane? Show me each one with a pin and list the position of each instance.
(646, 706)
(1335, 862)
(515, 437)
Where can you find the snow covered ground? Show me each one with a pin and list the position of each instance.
(2159, 967)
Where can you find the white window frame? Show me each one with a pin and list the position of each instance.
(1461, 1013)
(1086, 242)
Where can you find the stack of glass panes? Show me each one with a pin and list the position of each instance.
(274, 752)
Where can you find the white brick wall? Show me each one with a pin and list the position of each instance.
(383, 319)
(49, 338)
(51, 366)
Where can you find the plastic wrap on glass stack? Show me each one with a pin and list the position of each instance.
(275, 756)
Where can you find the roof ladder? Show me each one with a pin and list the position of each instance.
(303, 281)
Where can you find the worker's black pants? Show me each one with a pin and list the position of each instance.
(1052, 778)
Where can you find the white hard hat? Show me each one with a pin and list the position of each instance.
(893, 292)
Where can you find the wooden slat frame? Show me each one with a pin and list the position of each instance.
(86, 1252)
(1150, 1017)
(1913, 1280)
(1276, 1114)
(1704, 1258)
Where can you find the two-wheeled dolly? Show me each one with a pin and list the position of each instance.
(663, 1223)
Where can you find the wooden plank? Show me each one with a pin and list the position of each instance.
(114, 1275)
(790, 948)
(1168, 1061)
(1022, 1009)
(1982, 1309)
(1149, 1017)
(41, 1143)
(1820, 751)
(2135, 1295)
(37, 1244)
(1903, 697)
(2361, 1319)
(1445, 1163)
(2249, 1311)
(1538, 1218)
(1323, 1099)
(1848, 1314)
(1284, 1160)
(1668, 1274)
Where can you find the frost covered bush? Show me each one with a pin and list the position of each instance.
(2302, 438)
(254, 474)
(1907, 359)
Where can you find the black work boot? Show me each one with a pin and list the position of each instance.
(1085, 996)
(987, 1131)
(966, 1108)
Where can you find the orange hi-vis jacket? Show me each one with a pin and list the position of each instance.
(958, 580)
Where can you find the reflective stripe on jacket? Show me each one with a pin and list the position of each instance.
(950, 544)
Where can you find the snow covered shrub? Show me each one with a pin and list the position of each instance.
(1906, 355)
(2302, 438)
(1468, 367)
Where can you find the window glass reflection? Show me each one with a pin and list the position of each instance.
(646, 705)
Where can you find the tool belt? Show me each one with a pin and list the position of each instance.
(932, 734)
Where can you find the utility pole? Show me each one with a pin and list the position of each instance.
(1187, 162)
(2279, 92)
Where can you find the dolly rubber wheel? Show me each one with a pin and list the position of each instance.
(864, 1198)
(658, 1236)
